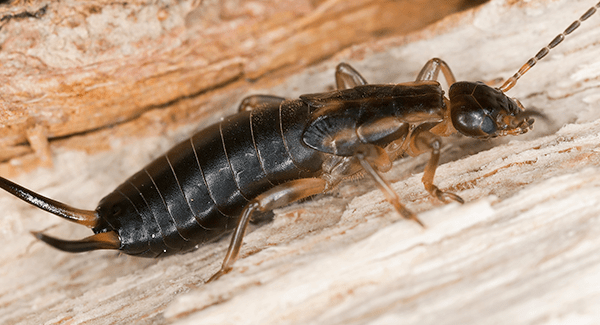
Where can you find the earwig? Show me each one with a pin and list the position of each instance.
(276, 151)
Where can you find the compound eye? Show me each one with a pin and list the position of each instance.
(488, 125)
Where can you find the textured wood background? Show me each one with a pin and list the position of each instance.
(94, 68)
(523, 249)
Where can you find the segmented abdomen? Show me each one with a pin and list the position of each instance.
(196, 191)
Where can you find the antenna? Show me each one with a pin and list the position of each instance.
(512, 81)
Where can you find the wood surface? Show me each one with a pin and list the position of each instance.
(94, 68)
(522, 250)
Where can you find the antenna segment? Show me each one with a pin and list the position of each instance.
(512, 81)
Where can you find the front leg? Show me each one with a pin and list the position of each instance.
(421, 142)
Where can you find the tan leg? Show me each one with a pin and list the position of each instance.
(426, 141)
(371, 155)
(274, 198)
(254, 101)
(432, 68)
(347, 77)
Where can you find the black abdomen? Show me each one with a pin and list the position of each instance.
(196, 191)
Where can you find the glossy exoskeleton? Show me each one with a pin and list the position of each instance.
(277, 151)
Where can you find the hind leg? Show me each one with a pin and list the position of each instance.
(276, 197)
(255, 101)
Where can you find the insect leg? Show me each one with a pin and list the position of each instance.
(421, 142)
(347, 77)
(276, 197)
(254, 101)
(369, 155)
(432, 68)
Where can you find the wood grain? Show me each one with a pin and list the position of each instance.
(76, 67)
(523, 249)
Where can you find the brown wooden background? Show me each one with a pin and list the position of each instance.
(114, 84)
(81, 73)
